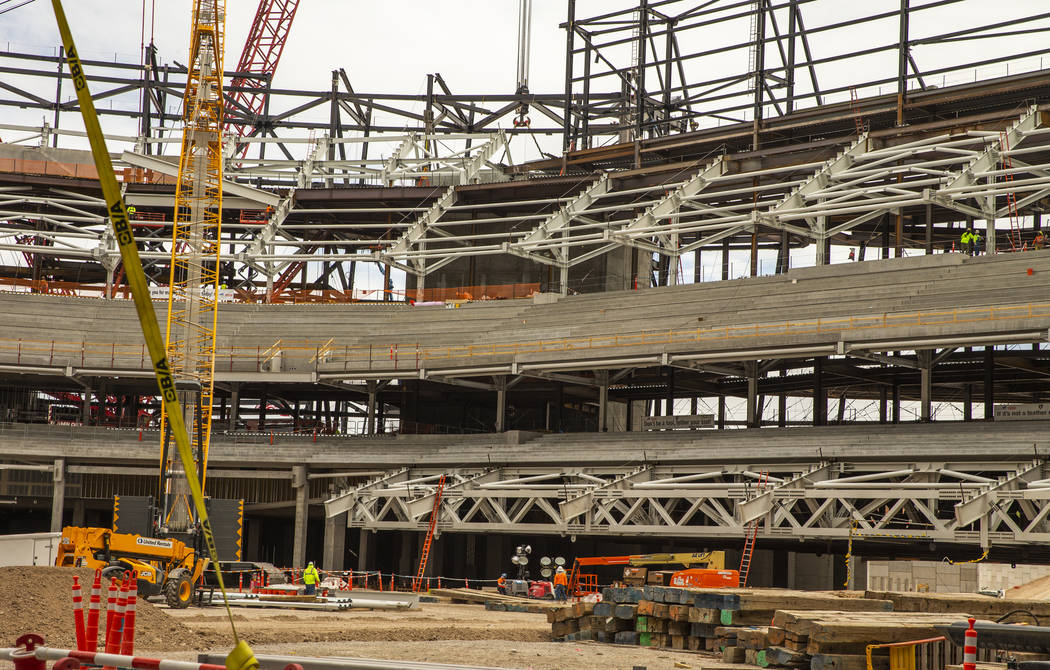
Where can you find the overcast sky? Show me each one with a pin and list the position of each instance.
(390, 46)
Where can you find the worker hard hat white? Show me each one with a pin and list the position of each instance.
(561, 569)
(310, 563)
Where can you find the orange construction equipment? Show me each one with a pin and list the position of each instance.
(710, 573)
(430, 538)
(705, 578)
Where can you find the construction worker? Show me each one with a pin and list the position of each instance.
(976, 241)
(310, 578)
(853, 254)
(561, 584)
(966, 241)
(501, 584)
(131, 211)
(1037, 241)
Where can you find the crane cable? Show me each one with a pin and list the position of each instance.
(241, 658)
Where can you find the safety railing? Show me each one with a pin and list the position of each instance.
(329, 356)
(903, 654)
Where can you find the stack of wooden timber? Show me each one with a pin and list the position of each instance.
(982, 607)
(497, 601)
(762, 627)
(827, 639)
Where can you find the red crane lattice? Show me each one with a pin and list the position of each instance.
(262, 52)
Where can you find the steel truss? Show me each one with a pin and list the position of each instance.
(963, 173)
(816, 202)
(768, 55)
(982, 503)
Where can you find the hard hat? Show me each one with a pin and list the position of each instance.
(561, 569)
(310, 563)
(503, 575)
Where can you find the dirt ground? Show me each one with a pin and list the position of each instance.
(39, 600)
(436, 633)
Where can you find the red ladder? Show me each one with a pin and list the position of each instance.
(418, 581)
(1011, 199)
(751, 537)
(854, 103)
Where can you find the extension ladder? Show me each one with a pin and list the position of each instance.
(854, 103)
(751, 537)
(1011, 199)
(418, 581)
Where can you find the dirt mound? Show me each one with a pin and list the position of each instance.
(40, 600)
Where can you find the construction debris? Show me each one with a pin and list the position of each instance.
(769, 627)
(497, 601)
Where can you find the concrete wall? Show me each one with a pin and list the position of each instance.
(1004, 576)
(928, 576)
(942, 577)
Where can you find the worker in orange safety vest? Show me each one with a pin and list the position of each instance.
(561, 584)
(501, 584)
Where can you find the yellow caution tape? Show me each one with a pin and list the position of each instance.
(242, 656)
(973, 560)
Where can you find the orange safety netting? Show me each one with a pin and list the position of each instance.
(483, 292)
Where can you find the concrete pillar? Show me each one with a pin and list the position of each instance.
(85, 417)
(603, 405)
(407, 561)
(235, 406)
(636, 409)
(820, 394)
(989, 383)
(669, 401)
(497, 561)
(925, 384)
(334, 542)
(58, 500)
(470, 555)
(302, 509)
(370, 421)
(895, 400)
(501, 403)
(364, 545)
(751, 369)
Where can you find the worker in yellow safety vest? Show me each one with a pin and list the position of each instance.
(310, 579)
(966, 240)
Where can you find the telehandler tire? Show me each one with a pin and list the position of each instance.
(178, 589)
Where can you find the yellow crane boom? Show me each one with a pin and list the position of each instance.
(194, 279)
(241, 658)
